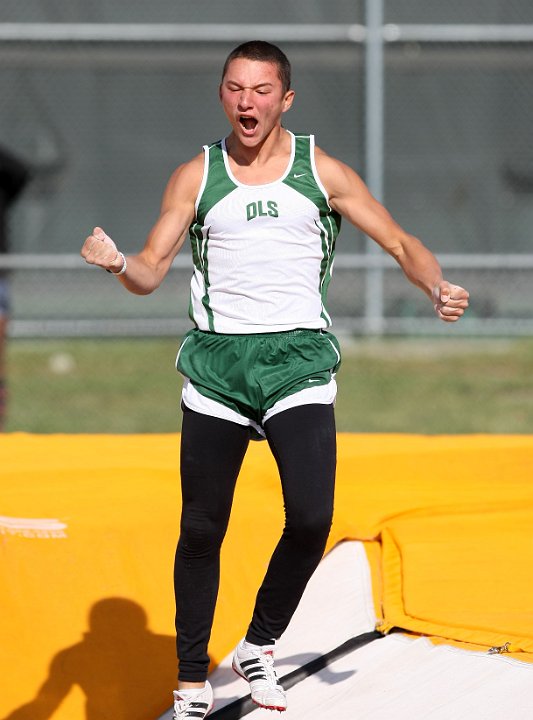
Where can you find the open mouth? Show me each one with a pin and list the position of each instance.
(248, 123)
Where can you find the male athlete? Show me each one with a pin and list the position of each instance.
(262, 209)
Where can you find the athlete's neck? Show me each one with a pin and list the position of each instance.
(262, 162)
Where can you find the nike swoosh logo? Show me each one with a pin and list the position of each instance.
(299, 175)
(313, 381)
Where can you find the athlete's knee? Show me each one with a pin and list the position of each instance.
(201, 535)
(310, 529)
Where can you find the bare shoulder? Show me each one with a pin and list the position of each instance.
(177, 211)
(334, 174)
(187, 178)
(184, 184)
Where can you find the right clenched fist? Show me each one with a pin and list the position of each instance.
(100, 250)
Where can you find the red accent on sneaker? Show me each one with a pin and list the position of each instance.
(269, 707)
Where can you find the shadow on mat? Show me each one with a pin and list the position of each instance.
(125, 670)
(226, 676)
(306, 665)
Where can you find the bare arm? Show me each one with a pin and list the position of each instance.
(146, 270)
(350, 197)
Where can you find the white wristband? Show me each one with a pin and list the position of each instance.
(123, 268)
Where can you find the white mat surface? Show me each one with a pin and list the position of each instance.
(391, 678)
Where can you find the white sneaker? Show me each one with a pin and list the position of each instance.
(193, 707)
(257, 667)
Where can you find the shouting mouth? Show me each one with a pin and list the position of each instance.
(248, 124)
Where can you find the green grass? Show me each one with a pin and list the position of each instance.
(92, 386)
(438, 387)
(429, 386)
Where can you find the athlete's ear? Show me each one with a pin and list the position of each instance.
(287, 100)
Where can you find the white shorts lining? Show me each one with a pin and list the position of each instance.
(321, 395)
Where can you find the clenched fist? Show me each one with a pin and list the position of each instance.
(100, 250)
(449, 301)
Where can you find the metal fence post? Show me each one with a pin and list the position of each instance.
(374, 111)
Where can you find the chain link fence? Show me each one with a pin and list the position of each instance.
(103, 101)
(430, 102)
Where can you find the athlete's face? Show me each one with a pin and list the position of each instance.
(253, 99)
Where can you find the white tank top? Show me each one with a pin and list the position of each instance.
(263, 254)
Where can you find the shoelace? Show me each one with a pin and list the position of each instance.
(267, 661)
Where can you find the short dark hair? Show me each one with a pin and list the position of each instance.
(263, 52)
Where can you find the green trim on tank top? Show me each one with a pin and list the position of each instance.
(218, 183)
(301, 178)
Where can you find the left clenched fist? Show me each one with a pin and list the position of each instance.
(449, 301)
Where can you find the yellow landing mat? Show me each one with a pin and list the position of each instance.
(88, 526)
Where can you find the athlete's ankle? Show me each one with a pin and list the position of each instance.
(191, 686)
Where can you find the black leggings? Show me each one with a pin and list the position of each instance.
(303, 442)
